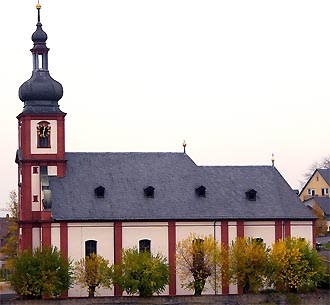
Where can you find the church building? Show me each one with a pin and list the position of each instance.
(104, 202)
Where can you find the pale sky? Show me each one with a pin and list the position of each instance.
(237, 80)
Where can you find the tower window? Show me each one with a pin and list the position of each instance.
(201, 191)
(35, 198)
(251, 195)
(145, 245)
(99, 192)
(90, 247)
(43, 132)
(149, 192)
(35, 169)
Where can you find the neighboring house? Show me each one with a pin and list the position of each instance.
(103, 202)
(4, 224)
(321, 204)
(317, 185)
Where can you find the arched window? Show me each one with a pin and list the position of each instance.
(90, 247)
(144, 245)
(43, 132)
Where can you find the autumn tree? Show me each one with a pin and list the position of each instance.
(323, 163)
(42, 272)
(10, 244)
(248, 261)
(199, 260)
(321, 223)
(294, 265)
(141, 272)
(92, 272)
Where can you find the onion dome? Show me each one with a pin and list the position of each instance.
(41, 92)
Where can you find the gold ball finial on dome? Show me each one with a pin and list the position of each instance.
(38, 6)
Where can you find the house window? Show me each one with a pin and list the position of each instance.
(43, 132)
(35, 169)
(35, 198)
(325, 191)
(90, 247)
(145, 245)
(311, 192)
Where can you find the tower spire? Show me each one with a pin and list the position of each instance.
(41, 92)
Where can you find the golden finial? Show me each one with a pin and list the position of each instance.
(184, 146)
(38, 6)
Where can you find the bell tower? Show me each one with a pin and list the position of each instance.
(41, 146)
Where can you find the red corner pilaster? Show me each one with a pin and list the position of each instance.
(118, 236)
(46, 234)
(287, 228)
(278, 230)
(225, 242)
(26, 239)
(171, 256)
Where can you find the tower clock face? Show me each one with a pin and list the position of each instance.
(43, 131)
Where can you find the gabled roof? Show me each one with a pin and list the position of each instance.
(324, 172)
(175, 177)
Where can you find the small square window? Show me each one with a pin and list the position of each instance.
(35, 198)
(35, 169)
(311, 192)
(325, 191)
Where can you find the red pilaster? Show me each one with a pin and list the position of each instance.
(225, 242)
(240, 228)
(240, 233)
(118, 241)
(287, 228)
(64, 239)
(278, 230)
(46, 234)
(171, 256)
(64, 244)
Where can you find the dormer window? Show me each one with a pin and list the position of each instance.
(200, 191)
(43, 132)
(251, 195)
(99, 192)
(149, 192)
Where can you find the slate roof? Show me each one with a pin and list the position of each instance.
(325, 173)
(324, 203)
(175, 177)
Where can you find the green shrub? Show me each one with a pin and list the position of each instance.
(43, 272)
(141, 272)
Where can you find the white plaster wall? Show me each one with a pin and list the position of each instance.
(55, 235)
(34, 138)
(302, 229)
(35, 238)
(183, 229)
(232, 235)
(35, 189)
(78, 233)
(52, 170)
(262, 229)
(156, 232)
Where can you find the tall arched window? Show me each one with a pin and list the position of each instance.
(43, 132)
(90, 247)
(145, 245)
